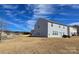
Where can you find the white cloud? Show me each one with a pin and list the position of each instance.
(19, 20)
(8, 6)
(75, 23)
(18, 26)
(14, 13)
(64, 13)
(75, 6)
(30, 24)
(22, 12)
(40, 11)
(10, 13)
(43, 9)
(63, 4)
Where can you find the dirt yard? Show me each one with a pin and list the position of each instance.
(38, 45)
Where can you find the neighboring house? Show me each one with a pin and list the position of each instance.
(72, 31)
(47, 28)
(77, 26)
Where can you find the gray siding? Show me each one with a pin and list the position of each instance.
(40, 28)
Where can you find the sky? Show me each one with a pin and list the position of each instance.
(22, 17)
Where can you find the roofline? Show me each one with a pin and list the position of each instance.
(53, 21)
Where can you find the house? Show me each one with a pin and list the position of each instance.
(48, 28)
(72, 31)
(77, 26)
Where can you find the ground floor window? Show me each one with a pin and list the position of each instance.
(55, 33)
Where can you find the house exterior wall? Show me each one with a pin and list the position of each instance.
(46, 28)
(73, 31)
(40, 28)
(78, 30)
(77, 27)
(60, 30)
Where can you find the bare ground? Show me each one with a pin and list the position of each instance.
(38, 45)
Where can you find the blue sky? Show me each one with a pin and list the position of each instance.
(22, 17)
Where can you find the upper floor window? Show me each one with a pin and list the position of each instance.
(51, 24)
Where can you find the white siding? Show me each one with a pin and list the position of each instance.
(73, 31)
(43, 28)
(55, 28)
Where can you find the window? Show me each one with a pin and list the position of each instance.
(51, 24)
(55, 33)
